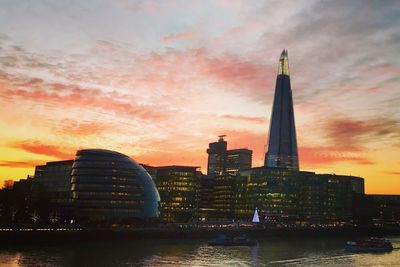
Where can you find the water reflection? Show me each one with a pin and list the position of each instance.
(271, 251)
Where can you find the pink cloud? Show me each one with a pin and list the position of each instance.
(182, 36)
(80, 129)
(71, 96)
(315, 156)
(350, 133)
(257, 120)
(385, 69)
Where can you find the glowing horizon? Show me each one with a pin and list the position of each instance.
(159, 81)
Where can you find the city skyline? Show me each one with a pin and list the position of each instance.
(160, 88)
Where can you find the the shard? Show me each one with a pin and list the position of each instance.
(282, 144)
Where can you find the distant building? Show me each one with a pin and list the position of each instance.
(178, 187)
(222, 161)
(217, 157)
(217, 189)
(110, 187)
(238, 160)
(282, 143)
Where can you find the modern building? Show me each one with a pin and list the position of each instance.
(217, 157)
(296, 197)
(54, 178)
(110, 187)
(217, 195)
(206, 210)
(282, 144)
(53, 182)
(222, 161)
(178, 187)
(237, 160)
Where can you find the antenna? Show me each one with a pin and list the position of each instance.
(221, 137)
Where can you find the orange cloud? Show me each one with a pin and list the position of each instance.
(258, 120)
(37, 147)
(20, 164)
(316, 156)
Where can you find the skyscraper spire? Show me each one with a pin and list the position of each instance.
(284, 63)
(282, 144)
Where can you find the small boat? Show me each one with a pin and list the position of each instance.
(371, 244)
(223, 240)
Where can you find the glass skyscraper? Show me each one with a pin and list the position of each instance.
(282, 144)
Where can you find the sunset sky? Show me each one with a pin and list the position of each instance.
(159, 80)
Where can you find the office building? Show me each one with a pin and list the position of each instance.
(178, 187)
(282, 144)
(110, 187)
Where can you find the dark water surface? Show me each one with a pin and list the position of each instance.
(270, 252)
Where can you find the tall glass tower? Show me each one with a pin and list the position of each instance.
(282, 144)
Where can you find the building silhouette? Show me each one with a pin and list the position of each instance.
(217, 156)
(222, 161)
(282, 144)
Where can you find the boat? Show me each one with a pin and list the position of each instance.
(371, 244)
(223, 240)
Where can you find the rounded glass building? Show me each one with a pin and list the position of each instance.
(108, 186)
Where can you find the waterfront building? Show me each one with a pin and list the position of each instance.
(296, 197)
(377, 209)
(282, 144)
(178, 187)
(54, 178)
(110, 187)
(17, 202)
(224, 192)
(53, 183)
(206, 210)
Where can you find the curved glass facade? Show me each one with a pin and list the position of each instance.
(110, 186)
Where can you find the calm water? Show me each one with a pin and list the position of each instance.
(270, 252)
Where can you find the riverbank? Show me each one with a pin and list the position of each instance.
(81, 235)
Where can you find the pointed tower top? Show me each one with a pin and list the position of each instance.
(284, 63)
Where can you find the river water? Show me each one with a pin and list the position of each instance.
(270, 252)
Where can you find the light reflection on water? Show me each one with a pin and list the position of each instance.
(179, 253)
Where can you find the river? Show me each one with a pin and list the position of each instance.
(271, 251)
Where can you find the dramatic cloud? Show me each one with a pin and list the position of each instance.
(36, 147)
(160, 80)
(354, 134)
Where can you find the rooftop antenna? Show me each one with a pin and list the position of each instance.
(221, 137)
